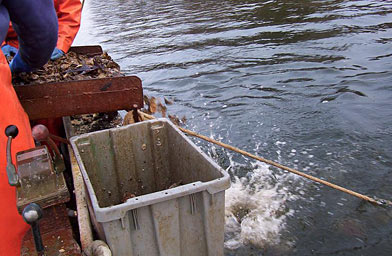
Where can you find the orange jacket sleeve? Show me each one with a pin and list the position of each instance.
(69, 14)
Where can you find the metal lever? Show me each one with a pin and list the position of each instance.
(41, 133)
(11, 132)
(32, 213)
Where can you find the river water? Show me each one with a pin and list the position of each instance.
(304, 83)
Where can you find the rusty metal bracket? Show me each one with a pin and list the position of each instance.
(89, 50)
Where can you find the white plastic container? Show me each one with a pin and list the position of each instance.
(152, 191)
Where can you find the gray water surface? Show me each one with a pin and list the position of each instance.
(305, 83)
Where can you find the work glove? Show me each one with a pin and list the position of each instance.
(57, 53)
(8, 50)
(18, 65)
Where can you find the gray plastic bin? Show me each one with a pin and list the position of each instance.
(152, 191)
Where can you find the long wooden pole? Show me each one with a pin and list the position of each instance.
(310, 177)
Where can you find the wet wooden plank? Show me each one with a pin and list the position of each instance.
(81, 97)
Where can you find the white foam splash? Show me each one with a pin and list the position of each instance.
(255, 209)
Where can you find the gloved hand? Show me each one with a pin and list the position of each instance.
(9, 50)
(57, 53)
(18, 65)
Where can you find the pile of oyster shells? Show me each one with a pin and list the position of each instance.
(70, 67)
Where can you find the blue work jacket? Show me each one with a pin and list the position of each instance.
(35, 22)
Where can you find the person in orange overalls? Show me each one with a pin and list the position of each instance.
(35, 23)
(69, 14)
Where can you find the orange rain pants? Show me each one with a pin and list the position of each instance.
(69, 14)
(12, 226)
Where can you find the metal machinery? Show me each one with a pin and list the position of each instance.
(42, 192)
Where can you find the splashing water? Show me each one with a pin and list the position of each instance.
(256, 208)
(256, 204)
